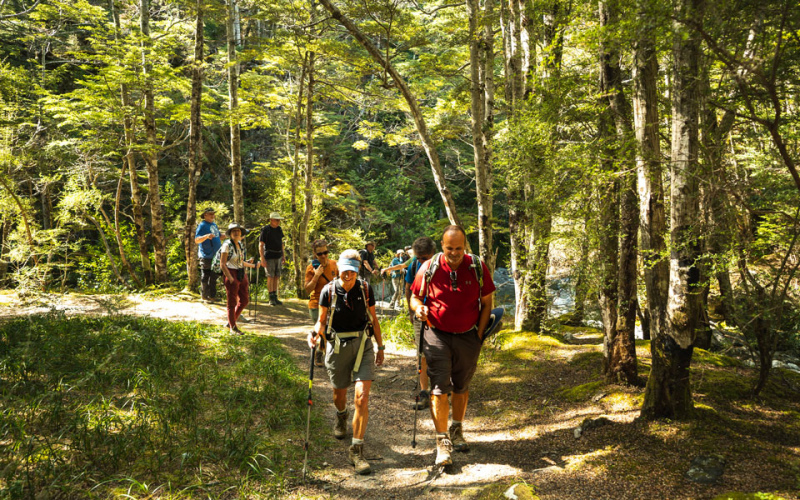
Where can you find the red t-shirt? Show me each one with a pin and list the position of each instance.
(453, 311)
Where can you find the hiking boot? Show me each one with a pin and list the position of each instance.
(424, 400)
(457, 437)
(277, 302)
(443, 450)
(340, 428)
(273, 299)
(319, 358)
(356, 456)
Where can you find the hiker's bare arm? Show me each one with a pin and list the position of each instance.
(261, 252)
(420, 309)
(398, 266)
(313, 335)
(486, 311)
(223, 264)
(312, 283)
(203, 238)
(376, 325)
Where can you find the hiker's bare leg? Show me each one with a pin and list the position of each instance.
(272, 284)
(423, 375)
(340, 399)
(361, 413)
(460, 405)
(440, 411)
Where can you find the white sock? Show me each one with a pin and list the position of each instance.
(358, 441)
(341, 412)
(456, 422)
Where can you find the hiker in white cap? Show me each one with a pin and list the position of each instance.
(271, 248)
(348, 321)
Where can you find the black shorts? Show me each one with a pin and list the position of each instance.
(452, 359)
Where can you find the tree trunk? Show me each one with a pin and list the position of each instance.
(428, 143)
(117, 233)
(151, 154)
(129, 160)
(297, 257)
(108, 249)
(668, 393)
(233, 107)
(302, 234)
(621, 348)
(534, 286)
(652, 218)
(195, 153)
(482, 98)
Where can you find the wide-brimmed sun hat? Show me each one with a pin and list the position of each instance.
(400, 250)
(275, 215)
(345, 264)
(233, 226)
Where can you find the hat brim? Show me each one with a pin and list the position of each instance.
(243, 230)
(495, 320)
(346, 267)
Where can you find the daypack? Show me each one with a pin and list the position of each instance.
(216, 264)
(330, 334)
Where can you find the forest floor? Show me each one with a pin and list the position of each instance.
(527, 398)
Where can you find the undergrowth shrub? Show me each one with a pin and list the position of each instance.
(94, 407)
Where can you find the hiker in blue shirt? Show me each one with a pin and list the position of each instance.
(396, 268)
(208, 242)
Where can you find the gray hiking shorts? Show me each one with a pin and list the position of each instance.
(452, 359)
(273, 268)
(416, 324)
(340, 366)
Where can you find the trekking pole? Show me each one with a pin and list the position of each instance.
(416, 385)
(250, 291)
(308, 418)
(383, 295)
(258, 273)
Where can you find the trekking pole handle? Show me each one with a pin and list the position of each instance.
(311, 374)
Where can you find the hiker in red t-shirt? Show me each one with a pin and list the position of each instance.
(457, 309)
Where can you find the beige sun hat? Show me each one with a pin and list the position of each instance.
(275, 215)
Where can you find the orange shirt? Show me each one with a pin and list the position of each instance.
(331, 271)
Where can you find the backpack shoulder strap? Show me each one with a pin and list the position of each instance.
(477, 268)
(433, 266)
(365, 294)
(332, 308)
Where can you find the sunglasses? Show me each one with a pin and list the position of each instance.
(320, 254)
(453, 281)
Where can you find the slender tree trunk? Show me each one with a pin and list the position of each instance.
(46, 206)
(428, 143)
(117, 233)
(233, 107)
(652, 218)
(151, 154)
(482, 121)
(668, 393)
(129, 160)
(534, 287)
(309, 192)
(297, 256)
(109, 255)
(195, 153)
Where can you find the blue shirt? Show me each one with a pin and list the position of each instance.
(412, 269)
(397, 273)
(208, 249)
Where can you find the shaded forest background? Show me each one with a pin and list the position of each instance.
(645, 150)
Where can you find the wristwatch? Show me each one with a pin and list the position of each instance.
(381, 347)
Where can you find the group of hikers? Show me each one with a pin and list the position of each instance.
(448, 296)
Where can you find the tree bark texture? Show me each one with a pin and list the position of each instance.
(302, 234)
(481, 104)
(297, 257)
(195, 152)
(670, 395)
(233, 108)
(151, 154)
(130, 160)
(621, 348)
(428, 143)
(652, 217)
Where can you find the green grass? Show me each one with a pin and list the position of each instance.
(398, 330)
(99, 407)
